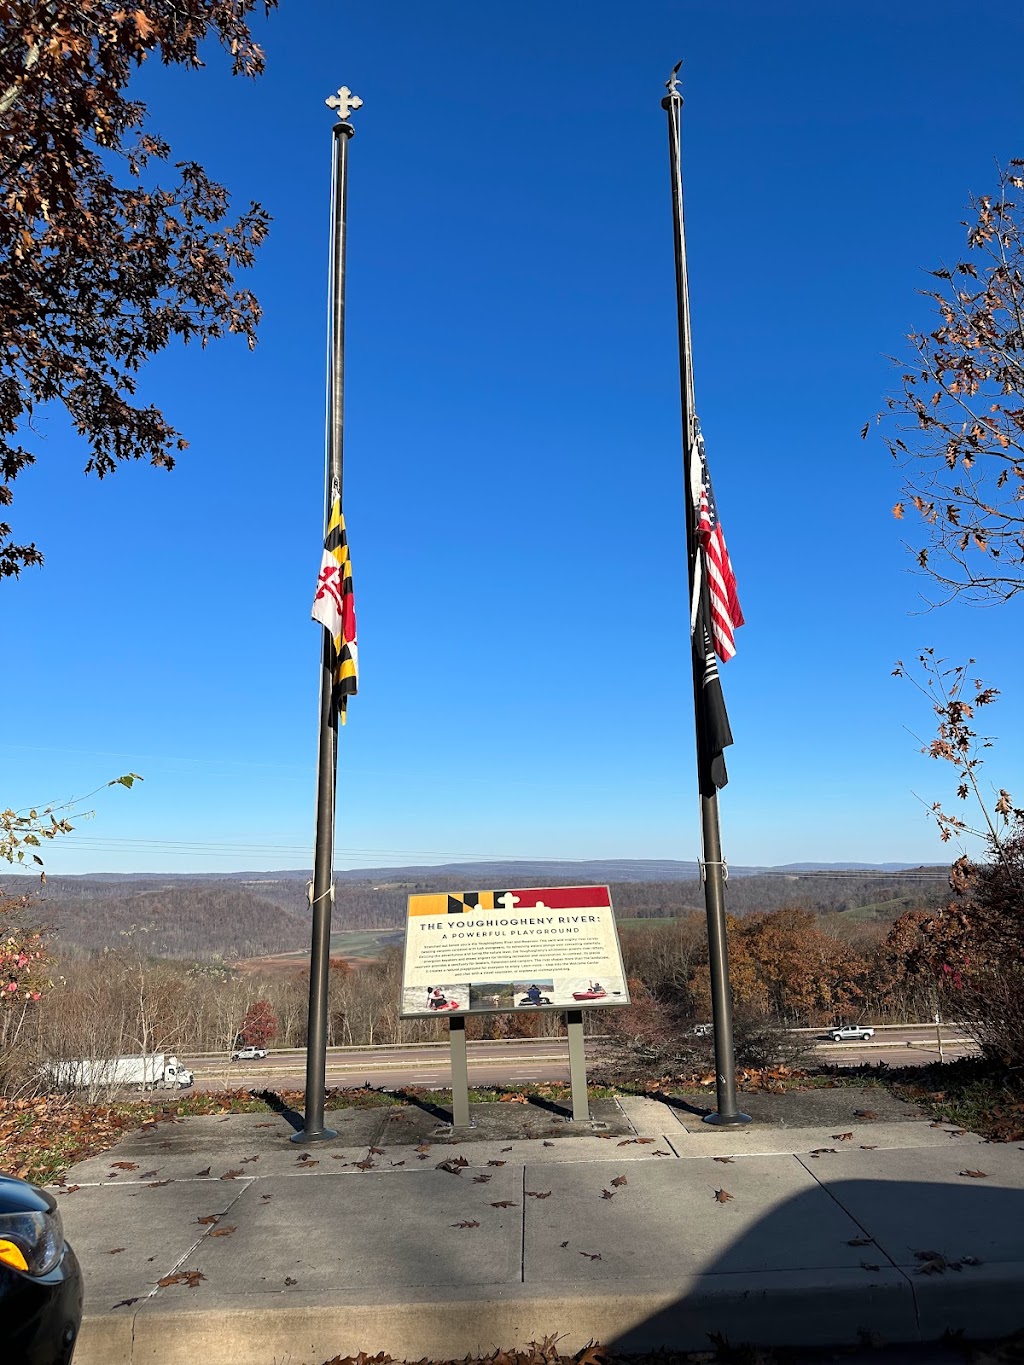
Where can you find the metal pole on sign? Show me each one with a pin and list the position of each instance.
(577, 1066)
(460, 1072)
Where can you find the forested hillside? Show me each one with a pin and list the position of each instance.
(210, 919)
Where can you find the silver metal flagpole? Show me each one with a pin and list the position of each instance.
(712, 866)
(322, 890)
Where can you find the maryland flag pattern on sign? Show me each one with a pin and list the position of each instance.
(334, 607)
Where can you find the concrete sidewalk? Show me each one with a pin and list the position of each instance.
(639, 1234)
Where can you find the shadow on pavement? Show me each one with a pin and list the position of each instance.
(917, 1262)
(427, 1106)
(274, 1101)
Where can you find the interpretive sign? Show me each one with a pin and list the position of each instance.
(547, 948)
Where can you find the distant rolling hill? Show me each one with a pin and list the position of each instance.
(248, 915)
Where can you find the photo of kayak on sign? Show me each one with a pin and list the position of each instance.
(545, 948)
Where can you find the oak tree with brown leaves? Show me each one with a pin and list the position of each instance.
(108, 249)
(957, 425)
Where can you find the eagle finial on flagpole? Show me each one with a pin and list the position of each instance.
(343, 102)
(672, 84)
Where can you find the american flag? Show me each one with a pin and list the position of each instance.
(726, 615)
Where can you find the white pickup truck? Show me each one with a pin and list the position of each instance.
(851, 1033)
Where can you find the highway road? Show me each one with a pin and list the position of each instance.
(528, 1060)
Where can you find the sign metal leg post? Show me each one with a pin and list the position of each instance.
(460, 1073)
(577, 1067)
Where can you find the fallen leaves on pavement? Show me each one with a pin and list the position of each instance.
(189, 1277)
(592, 1255)
(619, 1180)
(866, 1114)
(209, 1218)
(725, 1160)
(466, 1223)
(231, 1175)
(539, 1194)
(222, 1232)
(975, 1175)
(723, 1196)
(505, 1204)
(842, 1137)
(607, 1194)
(454, 1165)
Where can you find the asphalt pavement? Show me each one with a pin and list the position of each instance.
(506, 1062)
(839, 1216)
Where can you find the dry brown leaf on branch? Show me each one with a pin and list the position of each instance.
(466, 1223)
(975, 1175)
(619, 1180)
(723, 1196)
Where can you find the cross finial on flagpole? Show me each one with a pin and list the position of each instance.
(672, 84)
(343, 102)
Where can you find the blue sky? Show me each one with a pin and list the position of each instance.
(513, 479)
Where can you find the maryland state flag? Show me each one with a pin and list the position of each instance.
(334, 607)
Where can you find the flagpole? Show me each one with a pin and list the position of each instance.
(322, 889)
(712, 865)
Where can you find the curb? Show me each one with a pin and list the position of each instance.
(812, 1308)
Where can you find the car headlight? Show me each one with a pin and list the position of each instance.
(31, 1241)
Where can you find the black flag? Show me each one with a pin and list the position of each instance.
(714, 730)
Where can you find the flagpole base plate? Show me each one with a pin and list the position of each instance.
(717, 1120)
(302, 1137)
